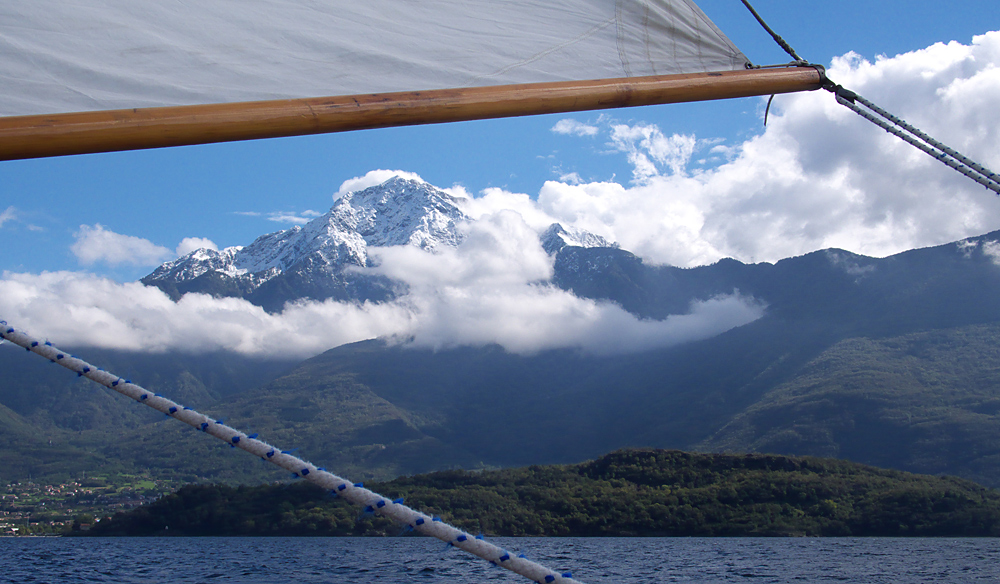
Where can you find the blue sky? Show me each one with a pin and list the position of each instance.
(679, 184)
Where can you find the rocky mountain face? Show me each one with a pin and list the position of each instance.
(311, 262)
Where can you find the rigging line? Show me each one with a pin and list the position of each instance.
(913, 136)
(781, 42)
(992, 176)
(908, 133)
(355, 493)
(768, 109)
(799, 61)
(939, 155)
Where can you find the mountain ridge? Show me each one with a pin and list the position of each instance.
(314, 261)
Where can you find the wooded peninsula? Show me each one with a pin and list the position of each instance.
(625, 493)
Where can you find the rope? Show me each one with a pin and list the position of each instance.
(781, 42)
(990, 175)
(370, 501)
(915, 137)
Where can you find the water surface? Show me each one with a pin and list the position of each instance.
(416, 559)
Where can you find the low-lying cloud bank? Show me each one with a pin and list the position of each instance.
(817, 177)
(491, 289)
(76, 309)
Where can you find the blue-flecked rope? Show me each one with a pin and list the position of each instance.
(368, 500)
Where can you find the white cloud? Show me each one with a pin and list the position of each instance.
(991, 249)
(850, 267)
(372, 178)
(294, 218)
(571, 127)
(660, 224)
(572, 178)
(190, 244)
(94, 243)
(498, 250)
(488, 290)
(8, 214)
(84, 310)
(648, 149)
(494, 200)
(819, 176)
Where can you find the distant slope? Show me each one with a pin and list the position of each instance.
(92, 427)
(27, 451)
(626, 493)
(327, 416)
(927, 402)
(923, 402)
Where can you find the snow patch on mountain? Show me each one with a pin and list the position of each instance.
(557, 237)
(198, 262)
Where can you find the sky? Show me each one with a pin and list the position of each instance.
(682, 184)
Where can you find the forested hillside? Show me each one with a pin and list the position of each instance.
(626, 493)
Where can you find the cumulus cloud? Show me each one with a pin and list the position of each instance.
(649, 150)
(573, 127)
(572, 178)
(6, 215)
(819, 176)
(850, 267)
(991, 249)
(494, 200)
(94, 244)
(492, 289)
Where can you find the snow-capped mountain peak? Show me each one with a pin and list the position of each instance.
(396, 212)
(401, 212)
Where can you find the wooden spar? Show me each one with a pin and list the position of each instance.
(40, 136)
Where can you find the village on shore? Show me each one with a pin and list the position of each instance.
(28, 508)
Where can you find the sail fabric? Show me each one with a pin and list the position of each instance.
(84, 55)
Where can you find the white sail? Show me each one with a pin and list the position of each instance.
(86, 55)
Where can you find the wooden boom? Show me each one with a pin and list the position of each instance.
(39, 136)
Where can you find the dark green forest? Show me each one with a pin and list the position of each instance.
(626, 493)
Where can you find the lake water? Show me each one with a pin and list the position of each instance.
(427, 561)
